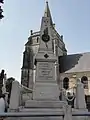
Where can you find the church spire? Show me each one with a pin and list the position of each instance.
(47, 12)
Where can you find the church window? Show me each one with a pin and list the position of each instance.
(56, 49)
(66, 83)
(84, 80)
(37, 39)
(25, 73)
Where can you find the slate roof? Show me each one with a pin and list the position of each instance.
(75, 63)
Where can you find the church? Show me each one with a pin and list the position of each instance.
(71, 67)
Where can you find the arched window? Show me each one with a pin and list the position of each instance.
(66, 83)
(37, 39)
(84, 80)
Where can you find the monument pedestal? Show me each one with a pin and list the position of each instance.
(46, 87)
(44, 107)
(45, 104)
(45, 91)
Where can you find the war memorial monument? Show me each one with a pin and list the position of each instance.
(41, 90)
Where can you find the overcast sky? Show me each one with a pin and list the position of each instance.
(72, 19)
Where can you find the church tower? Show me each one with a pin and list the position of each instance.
(50, 45)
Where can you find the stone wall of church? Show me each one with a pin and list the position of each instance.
(24, 77)
(31, 49)
(73, 80)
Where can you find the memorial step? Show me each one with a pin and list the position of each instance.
(40, 111)
(44, 104)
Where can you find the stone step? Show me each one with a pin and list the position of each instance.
(41, 111)
(44, 104)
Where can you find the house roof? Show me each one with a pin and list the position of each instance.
(75, 63)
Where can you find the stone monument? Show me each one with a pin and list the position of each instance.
(45, 85)
(46, 90)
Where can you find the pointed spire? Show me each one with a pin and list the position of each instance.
(47, 12)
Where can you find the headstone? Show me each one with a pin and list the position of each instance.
(15, 96)
(80, 96)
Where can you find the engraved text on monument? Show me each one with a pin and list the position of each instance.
(45, 71)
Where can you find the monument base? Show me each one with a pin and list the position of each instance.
(45, 104)
(43, 107)
(46, 91)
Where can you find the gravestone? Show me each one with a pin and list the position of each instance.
(15, 96)
(80, 96)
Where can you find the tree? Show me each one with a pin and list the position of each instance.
(1, 1)
(1, 16)
(1, 80)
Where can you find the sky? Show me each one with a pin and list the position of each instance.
(72, 19)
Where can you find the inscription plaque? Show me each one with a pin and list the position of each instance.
(45, 71)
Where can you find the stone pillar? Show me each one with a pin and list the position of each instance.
(54, 47)
(57, 78)
(34, 74)
(15, 96)
(30, 82)
(62, 91)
